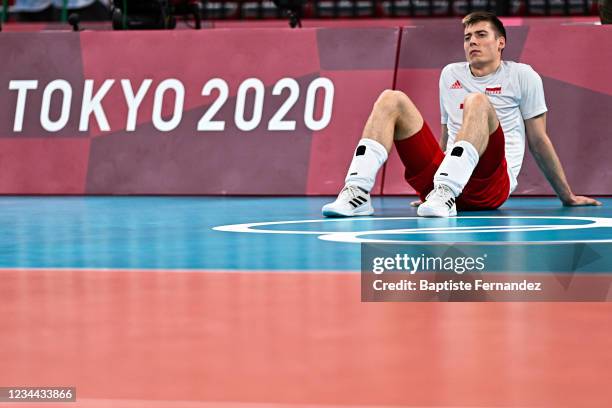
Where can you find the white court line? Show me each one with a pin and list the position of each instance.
(354, 236)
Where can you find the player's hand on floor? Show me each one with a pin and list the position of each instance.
(416, 203)
(575, 201)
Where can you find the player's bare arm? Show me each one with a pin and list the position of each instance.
(545, 156)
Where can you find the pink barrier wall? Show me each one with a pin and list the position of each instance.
(280, 112)
(285, 109)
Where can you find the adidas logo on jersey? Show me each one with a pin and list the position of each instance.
(456, 85)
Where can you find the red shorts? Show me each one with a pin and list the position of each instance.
(487, 189)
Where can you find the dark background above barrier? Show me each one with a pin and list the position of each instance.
(292, 103)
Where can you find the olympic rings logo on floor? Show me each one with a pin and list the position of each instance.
(451, 231)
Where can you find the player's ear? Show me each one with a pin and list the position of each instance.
(501, 43)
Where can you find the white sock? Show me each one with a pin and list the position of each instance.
(368, 158)
(457, 167)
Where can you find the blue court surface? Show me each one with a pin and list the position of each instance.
(258, 233)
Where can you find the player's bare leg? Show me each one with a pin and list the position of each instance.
(479, 121)
(393, 117)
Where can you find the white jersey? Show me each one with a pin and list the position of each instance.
(515, 91)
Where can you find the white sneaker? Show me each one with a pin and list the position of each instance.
(440, 202)
(351, 202)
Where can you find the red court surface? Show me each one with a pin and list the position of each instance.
(291, 340)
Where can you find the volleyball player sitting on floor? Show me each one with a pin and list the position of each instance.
(487, 107)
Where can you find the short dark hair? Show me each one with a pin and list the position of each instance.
(479, 16)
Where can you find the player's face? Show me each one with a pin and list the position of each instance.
(480, 44)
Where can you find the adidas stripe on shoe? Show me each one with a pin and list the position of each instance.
(351, 202)
(440, 202)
